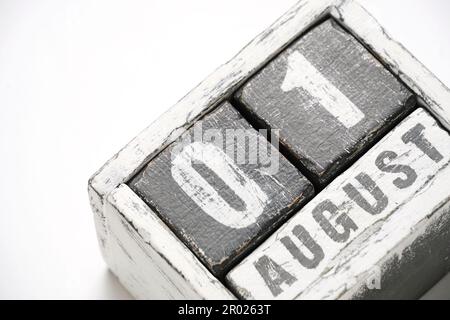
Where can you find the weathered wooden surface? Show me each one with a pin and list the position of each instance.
(329, 97)
(149, 260)
(221, 83)
(230, 76)
(388, 216)
(219, 204)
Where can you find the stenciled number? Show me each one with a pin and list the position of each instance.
(204, 194)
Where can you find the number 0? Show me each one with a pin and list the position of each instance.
(204, 194)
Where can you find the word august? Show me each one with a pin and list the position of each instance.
(339, 226)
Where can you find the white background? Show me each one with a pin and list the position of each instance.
(79, 79)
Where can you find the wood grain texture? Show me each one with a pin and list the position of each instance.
(386, 213)
(149, 259)
(329, 97)
(218, 204)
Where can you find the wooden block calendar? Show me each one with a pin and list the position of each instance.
(320, 172)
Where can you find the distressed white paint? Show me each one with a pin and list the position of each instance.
(301, 73)
(345, 264)
(222, 83)
(401, 62)
(209, 199)
(149, 259)
(200, 100)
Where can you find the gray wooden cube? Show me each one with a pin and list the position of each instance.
(330, 98)
(222, 187)
(380, 230)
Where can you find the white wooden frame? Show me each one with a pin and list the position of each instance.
(147, 257)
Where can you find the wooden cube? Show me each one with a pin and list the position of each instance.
(152, 259)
